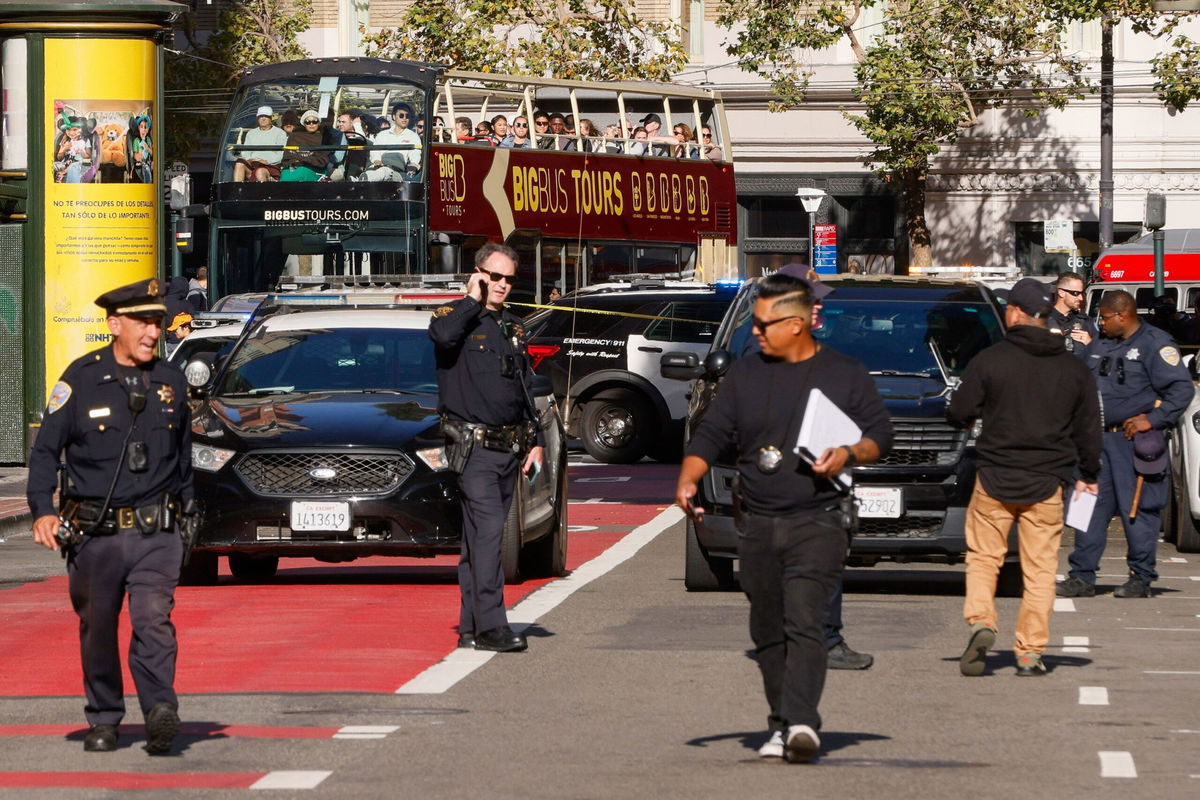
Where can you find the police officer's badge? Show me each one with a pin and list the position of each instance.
(1134, 354)
(165, 395)
(1170, 355)
(59, 396)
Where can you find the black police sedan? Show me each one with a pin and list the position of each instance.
(319, 438)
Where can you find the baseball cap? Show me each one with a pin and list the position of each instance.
(1030, 295)
(816, 288)
(265, 111)
(651, 118)
(1149, 452)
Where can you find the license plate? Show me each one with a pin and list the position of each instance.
(878, 502)
(308, 515)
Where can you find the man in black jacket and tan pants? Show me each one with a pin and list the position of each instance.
(1041, 431)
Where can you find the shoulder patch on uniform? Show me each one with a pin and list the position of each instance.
(1170, 355)
(442, 311)
(59, 396)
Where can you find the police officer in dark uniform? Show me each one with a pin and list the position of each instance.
(1067, 317)
(119, 417)
(792, 533)
(487, 415)
(1144, 387)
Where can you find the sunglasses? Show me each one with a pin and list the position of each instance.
(541, 123)
(401, 114)
(763, 324)
(482, 130)
(707, 135)
(312, 122)
(496, 277)
(520, 125)
(1072, 292)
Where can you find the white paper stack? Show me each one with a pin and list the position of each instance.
(824, 426)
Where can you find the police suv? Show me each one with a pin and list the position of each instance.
(600, 347)
(318, 436)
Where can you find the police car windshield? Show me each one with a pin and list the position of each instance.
(342, 360)
(893, 336)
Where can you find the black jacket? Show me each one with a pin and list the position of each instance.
(1040, 411)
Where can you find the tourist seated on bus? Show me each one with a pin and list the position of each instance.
(500, 128)
(303, 164)
(639, 146)
(440, 134)
(484, 135)
(612, 139)
(260, 165)
(684, 146)
(462, 130)
(541, 130)
(395, 165)
(711, 150)
(591, 136)
(518, 134)
(658, 144)
(350, 164)
(562, 139)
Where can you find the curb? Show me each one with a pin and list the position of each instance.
(16, 524)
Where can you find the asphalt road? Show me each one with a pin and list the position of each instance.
(633, 687)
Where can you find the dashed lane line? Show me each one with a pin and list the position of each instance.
(463, 661)
(1117, 764)
(365, 731)
(1170, 672)
(291, 779)
(1075, 644)
(1165, 630)
(1063, 605)
(1093, 696)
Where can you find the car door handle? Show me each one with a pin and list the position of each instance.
(645, 349)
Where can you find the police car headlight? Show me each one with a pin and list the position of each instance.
(434, 458)
(197, 373)
(209, 459)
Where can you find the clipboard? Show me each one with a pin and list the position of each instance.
(824, 426)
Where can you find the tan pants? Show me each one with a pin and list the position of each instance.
(1039, 528)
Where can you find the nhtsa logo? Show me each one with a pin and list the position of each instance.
(317, 215)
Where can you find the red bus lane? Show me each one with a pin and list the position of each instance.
(369, 626)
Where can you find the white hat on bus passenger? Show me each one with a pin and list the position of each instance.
(310, 113)
(265, 111)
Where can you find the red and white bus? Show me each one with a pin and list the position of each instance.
(580, 207)
(1130, 266)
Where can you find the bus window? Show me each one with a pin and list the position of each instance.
(1145, 298)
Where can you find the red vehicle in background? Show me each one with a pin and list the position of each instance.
(1130, 266)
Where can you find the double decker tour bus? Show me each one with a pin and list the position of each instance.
(377, 205)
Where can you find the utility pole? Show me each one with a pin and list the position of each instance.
(1106, 132)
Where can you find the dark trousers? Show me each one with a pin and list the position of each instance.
(790, 567)
(833, 622)
(486, 485)
(1118, 482)
(101, 571)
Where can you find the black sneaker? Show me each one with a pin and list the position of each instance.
(842, 657)
(101, 739)
(162, 724)
(1134, 587)
(1074, 587)
(1030, 665)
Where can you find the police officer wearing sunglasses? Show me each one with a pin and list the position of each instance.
(1144, 387)
(490, 423)
(1067, 317)
(119, 418)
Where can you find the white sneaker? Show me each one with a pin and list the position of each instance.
(774, 746)
(803, 744)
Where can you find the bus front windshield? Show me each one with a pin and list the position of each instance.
(326, 128)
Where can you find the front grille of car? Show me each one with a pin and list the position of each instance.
(899, 528)
(923, 444)
(291, 474)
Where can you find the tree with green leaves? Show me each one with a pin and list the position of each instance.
(931, 71)
(199, 79)
(578, 39)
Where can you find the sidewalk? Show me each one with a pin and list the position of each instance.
(14, 511)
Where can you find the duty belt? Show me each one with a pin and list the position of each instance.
(510, 438)
(1113, 428)
(83, 513)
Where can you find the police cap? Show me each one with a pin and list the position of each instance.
(816, 288)
(1150, 452)
(141, 299)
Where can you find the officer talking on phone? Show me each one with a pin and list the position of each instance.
(119, 415)
(490, 424)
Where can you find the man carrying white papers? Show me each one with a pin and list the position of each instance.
(1041, 424)
(791, 535)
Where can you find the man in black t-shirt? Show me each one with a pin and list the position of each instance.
(1067, 317)
(791, 536)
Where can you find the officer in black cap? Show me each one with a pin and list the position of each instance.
(119, 418)
(1144, 387)
(487, 412)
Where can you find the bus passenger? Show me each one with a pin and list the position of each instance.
(303, 164)
(519, 136)
(462, 130)
(500, 127)
(350, 163)
(484, 135)
(418, 127)
(652, 123)
(711, 150)
(638, 146)
(558, 127)
(439, 130)
(395, 165)
(260, 165)
(684, 148)
(587, 129)
(289, 121)
(541, 127)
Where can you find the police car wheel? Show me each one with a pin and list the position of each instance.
(616, 427)
(253, 568)
(510, 541)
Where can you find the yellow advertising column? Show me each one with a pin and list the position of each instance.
(101, 184)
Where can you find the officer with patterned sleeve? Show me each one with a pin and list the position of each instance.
(119, 418)
(1144, 387)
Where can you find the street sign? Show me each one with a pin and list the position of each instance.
(825, 249)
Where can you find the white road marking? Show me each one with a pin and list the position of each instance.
(594, 501)
(607, 479)
(365, 731)
(1170, 672)
(1063, 604)
(291, 779)
(1185, 730)
(1093, 696)
(1076, 641)
(463, 661)
(1117, 764)
(581, 528)
(1196, 577)
(1167, 630)
(1176, 560)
